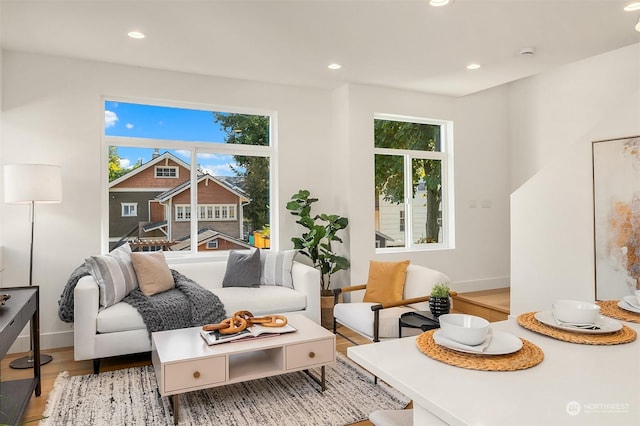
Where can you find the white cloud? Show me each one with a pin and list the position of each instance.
(125, 163)
(110, 119)
(218, 170)
(129, 126)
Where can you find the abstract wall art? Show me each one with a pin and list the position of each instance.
(616, 200)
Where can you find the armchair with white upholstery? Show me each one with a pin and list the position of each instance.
(379, 320)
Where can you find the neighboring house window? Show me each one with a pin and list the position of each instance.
(413, 182)
(129, 209)
(183, 212)
(156, 155)
(217, 212)
(166, 172)
(212, 244)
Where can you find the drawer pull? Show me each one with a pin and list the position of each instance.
(312, 354)
(196, 374)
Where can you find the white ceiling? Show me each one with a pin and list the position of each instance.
(403, 44)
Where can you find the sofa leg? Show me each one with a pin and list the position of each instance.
(96, 366)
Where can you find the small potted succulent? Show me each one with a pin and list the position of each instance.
(439, 303)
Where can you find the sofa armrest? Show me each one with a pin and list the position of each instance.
(306, 280)
(85, 312)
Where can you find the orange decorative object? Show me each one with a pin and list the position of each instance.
(243, 319)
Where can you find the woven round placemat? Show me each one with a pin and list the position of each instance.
(625, 335)
(611, 309)
(529, 356)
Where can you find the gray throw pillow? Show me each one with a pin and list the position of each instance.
(243, 269)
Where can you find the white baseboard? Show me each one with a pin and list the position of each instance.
(480, 285)
(61, 339)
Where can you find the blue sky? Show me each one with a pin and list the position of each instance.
(156, 122)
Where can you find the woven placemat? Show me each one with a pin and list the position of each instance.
(625, 335)
(529, 356)
(611, 309)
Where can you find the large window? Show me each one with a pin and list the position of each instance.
(412, 183)
(157, 154)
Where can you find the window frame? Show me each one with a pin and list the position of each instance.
(123, 207)
(445, 156)
(195, 148)
(175, 169)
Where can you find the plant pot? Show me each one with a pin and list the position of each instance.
(326, 311)
(439, 305)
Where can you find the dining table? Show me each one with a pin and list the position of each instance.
(574, 384)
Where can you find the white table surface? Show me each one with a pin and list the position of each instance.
(601, 382)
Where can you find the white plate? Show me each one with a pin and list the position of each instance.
(626, 304)
(607, 325)
(501, 343)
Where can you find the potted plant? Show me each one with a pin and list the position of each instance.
(316, 244)
(439, 303)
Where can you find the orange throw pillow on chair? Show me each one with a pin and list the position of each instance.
(386, 281)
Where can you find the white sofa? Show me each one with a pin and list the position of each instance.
(120, 330)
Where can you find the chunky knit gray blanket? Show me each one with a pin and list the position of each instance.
(187, 305)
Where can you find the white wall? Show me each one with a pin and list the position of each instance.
(52, 114)
(554, 118)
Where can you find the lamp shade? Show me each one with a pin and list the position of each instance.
(38, 183)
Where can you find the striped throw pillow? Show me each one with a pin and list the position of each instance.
(114, 274)
(276, 267)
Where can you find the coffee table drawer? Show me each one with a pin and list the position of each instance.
(308, 354)
(194, 374)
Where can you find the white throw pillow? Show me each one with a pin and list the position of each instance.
(114, 275)
(276, 267)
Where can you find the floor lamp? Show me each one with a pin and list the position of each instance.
(32, 184)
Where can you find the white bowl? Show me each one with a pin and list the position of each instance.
(576, 312)
(463, 328)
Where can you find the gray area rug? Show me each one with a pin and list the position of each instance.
(130, 397)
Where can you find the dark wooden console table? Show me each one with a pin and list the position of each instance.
(22, 307)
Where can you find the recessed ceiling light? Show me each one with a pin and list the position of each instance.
(473, 66)
(135, 34)
(438, 3)
(334, 66)
(634, 5)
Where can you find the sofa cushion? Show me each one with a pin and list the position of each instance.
(386, 281)
(119, 317)
(114, 274)
(359, 317)
(276, 267)
(243, 269)
(153, 272)
(261, 301)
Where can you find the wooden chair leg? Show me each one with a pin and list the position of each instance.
(96, 366)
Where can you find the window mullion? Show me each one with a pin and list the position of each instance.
(408, 201)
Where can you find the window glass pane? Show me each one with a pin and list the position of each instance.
(389, 200)
(427, 201)
(235, 189)
(183, 124)
(133, 182)
(405, 135)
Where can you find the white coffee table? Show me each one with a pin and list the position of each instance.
(183, 362)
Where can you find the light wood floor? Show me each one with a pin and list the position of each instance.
(63, 361)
